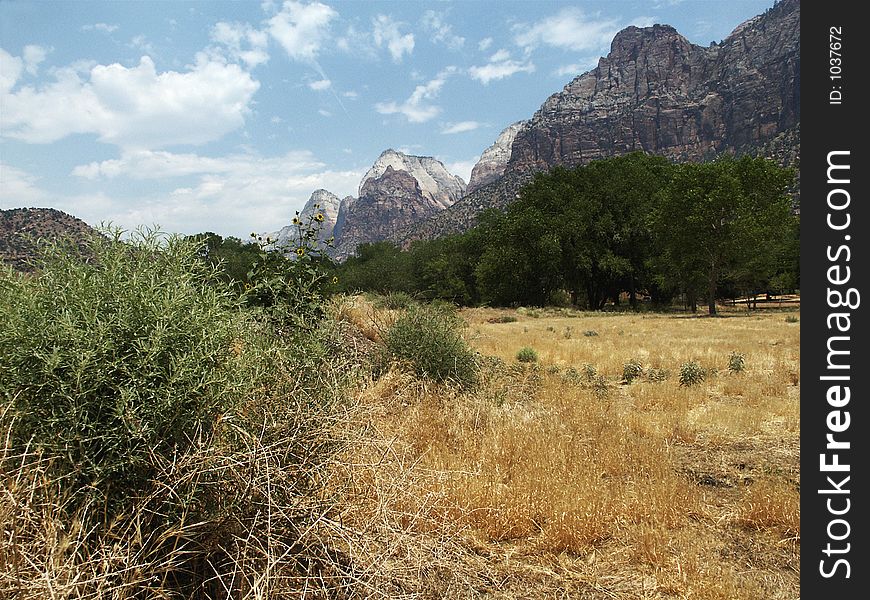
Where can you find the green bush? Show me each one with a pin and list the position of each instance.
(736, 362)
(631, 370)
(691, 373)
(117, 364)
(429, 340)
(394, 301)
(527, 355)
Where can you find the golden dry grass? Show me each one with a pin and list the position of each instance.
(543, 484)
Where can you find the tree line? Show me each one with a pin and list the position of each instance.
(635, 228)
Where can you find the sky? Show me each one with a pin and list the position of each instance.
(225, 116)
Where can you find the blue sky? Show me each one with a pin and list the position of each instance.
(224, 116)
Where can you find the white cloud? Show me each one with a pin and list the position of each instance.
(500, 65)
(386, 32)
(320, 85)
(460, 127)
(102, 27)
(570, 29)
(242, 42)
(148, 164)
(10, 71)
(441, 32)
(134, 107)
(350, 94)
(324, 113)
(301, 29)
(416, 108)
(484, 44)
(140, 42)
(19, 188)
(33, 55)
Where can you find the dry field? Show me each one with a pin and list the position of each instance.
(557, 479)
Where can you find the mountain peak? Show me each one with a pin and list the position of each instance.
(435, 181)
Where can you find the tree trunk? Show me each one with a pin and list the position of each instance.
(711, 289)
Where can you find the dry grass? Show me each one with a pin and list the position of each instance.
(537, 485)
(542, 482)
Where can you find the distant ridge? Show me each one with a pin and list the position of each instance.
(22, 228)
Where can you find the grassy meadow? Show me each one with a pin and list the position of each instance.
(162, 441)
(558, 479)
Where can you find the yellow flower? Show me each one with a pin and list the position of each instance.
(318, 217)
(300, 251)
(296, 220)
(335, 280)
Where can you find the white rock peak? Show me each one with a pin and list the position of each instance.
(435, 181)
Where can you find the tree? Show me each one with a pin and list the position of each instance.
(720, 219)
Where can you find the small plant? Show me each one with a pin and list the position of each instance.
(631, 370)
(590, 333)
(791, 319)
(691, 373)
(502, 319)
(553, 370)
(600, 388)
(394, 301)
(589, 372)
(527, 355)
(736, 362)
(430, 342)
(568, 333)
(655, 374)
(550, 328)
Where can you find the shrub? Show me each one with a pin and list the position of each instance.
(791, 319)
(502, 319)
(691, 373)
(736, 362)
(590, 333)
(394, 301)
(657, 374)
(118, 363)
(289, 282)
(631, 370)
(429, 340)
(527, 355)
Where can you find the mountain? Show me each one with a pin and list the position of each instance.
(436, 183)
(494, 159)
(396, 192)
(387, 204)
(658, 93)
(21, 230)
(321, 202)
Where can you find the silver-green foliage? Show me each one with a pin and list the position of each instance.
(631, 370)
(429, 340)
(527, 355)
(115, 364)
(736, 362)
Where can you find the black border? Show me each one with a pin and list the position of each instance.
(830, 127)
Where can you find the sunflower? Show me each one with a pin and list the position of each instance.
(318, 217)
(335, 280)
(300, 251)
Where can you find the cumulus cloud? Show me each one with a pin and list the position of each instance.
(416, 108)
(439, 31)
(570, 29)
(386, 33)
(301, 29)
(10, 71)
(460, 127)
(500, 65)
(320, 85)
(33, 55)
(484, 44)
(131, 107)
(242, 42)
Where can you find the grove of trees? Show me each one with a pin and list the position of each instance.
(632, 227)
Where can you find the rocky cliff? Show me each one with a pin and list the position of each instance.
(657, 92)
(436, 183)
(494, 159)
(387, 204)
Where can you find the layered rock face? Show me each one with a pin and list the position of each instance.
(494, 159)
(436, 183)
(658, 93)
(387, 204)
